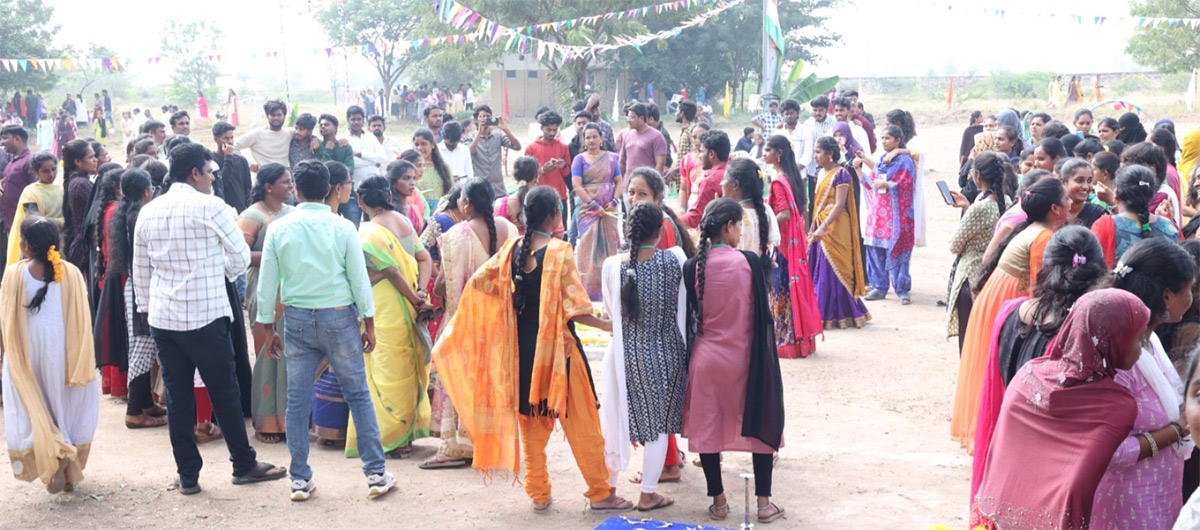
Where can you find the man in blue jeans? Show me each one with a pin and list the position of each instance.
(315, 256)
(186, 245)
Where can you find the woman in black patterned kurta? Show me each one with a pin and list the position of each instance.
(645, 371)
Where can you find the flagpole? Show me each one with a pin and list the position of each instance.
(764, 84)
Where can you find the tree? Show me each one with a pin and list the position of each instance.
(1166, 48)
(26, 32)
(727, 47)
(570, 77)
(192, 43)
(373, 23)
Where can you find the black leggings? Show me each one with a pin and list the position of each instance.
(762, 473)
(140, 396)
(963, 305)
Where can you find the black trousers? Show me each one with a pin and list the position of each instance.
(763, 463)
(210, 350)
(140, 395)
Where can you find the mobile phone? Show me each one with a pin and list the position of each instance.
(942, 187)
(492, 122)
(31, 208)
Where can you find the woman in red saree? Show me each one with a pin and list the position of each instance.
(793, 300)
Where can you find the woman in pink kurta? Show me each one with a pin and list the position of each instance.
(1141, 487)
(734, 396)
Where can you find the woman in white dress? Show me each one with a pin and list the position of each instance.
(53, 393)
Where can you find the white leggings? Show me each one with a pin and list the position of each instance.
(654, 456)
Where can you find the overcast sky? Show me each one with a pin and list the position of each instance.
(879, 37)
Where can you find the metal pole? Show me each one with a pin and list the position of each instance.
(763, 87)
(287, 91)
(746, 524)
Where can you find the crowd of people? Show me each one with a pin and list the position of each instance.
(1072, 297)
(400, 289)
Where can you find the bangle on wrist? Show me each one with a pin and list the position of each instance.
(1153, 444)
(1178, 431)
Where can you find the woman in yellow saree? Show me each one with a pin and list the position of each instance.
(835, 250)
(398, 369)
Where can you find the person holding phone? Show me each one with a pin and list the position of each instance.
(553, 155)
(974, 232)
(487, 148)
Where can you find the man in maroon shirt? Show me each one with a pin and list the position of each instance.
(17, 174)
(714, 153)
(553, 155)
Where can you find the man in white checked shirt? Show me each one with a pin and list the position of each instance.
(186, 245)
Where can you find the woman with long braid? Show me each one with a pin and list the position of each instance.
(793, 299)
(463, 248)
(514, 328)
(397, 370)
(1135, 189)
(52, 394)
(835, 244)
(743, 183)
(645, 371)
(734, 397)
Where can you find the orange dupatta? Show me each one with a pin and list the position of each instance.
(477, 355)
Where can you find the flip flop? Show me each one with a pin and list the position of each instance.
(59, 480)
(618, 508)
(262, 472)
(543, 509)
(445, 464)
(773, 516)
(663, 502)
(637, 479)
(156, 411)
(147, 422)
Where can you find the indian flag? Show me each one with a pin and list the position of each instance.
(771, 25)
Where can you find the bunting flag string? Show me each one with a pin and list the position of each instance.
(524, 39)
(464, 18)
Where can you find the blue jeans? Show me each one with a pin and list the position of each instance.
(310, 335)
(240, 285)
(351, 210)
(883, 269)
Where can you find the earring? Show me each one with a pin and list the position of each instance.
(1167, 315)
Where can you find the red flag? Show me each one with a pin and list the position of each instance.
(505, 83)
(950, 95)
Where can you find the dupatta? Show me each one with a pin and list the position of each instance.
(48, 443)
(890, 222)
(841, 242)
(477, 355)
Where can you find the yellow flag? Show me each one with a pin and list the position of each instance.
(727, 98)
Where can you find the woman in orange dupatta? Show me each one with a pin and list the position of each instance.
(835, 244)
(1011, 272)
(510, 361)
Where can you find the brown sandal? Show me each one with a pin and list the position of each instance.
(145, 421)
(207, 434)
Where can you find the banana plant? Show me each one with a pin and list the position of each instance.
(805, 89)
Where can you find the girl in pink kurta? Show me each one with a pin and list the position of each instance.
(734, 397)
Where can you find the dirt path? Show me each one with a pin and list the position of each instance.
(867, 445)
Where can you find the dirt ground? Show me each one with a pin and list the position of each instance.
(867, 444)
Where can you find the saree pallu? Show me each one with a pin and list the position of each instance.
(835, 262)
(330, 414)
(793, 300)
(398, 369)
(111, 336)
(598, 230)
(268, 400)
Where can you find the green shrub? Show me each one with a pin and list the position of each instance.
(1132, 83)
(1008, 85)
(1176, 82)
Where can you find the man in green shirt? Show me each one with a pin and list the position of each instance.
(331, 148)
(313, 261)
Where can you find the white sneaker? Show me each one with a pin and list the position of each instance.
(302, 490)
(378, 484)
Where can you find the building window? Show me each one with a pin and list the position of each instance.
(511, 74)
(533, 74)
